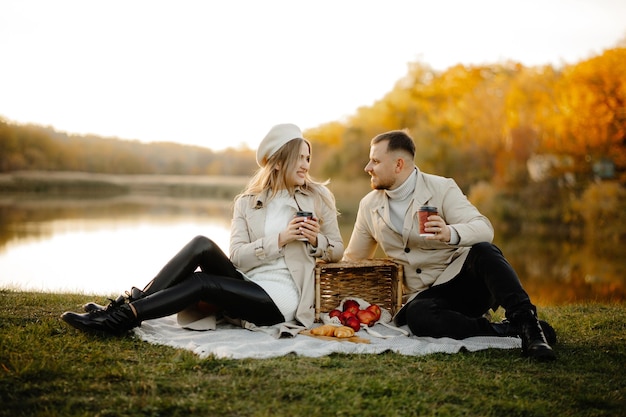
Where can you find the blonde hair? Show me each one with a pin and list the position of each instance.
(271, 179)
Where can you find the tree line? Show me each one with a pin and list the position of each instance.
(505, 124)
(31, 147)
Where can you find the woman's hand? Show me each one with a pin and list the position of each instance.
(300, 228)
(309, 229)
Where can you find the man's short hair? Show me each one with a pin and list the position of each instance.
(397, 140)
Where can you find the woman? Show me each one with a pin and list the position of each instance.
(269, 278)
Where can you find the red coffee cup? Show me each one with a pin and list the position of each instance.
(423, 214)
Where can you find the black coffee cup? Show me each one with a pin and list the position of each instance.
(306, 214)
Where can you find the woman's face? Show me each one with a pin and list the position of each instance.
(297, 176)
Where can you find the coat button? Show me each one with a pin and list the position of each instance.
(407, 250)
(418, 270)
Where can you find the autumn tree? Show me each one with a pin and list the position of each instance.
(589, 121)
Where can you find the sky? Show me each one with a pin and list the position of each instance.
(221, 73)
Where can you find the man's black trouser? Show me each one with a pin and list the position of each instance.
(455, 309)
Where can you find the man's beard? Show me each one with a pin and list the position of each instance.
(380, 185)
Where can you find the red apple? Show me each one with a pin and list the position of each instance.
(343, 318)
(334, 313)
(351, 305)
(366, 317)
(354, 323)
(374, 309)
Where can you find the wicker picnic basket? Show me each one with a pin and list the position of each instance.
(377, 281)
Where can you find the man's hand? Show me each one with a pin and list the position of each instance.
(438, 226)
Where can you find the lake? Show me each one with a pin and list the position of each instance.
(106, 246)
(100, 246)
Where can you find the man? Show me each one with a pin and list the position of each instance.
(452, 278)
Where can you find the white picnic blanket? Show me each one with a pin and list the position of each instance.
(229, 341)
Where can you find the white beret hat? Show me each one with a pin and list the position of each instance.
(274, 140)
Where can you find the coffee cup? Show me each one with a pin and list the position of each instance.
(423, 214)
(308, 215)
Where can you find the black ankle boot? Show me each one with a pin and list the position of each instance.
(506, 329)
(133, 295)
(534, 343)
(112, 320)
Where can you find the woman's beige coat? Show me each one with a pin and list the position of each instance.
(249, 247)
(426, 262)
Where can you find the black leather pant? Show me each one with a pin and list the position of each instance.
(178, 285)
(455, 309)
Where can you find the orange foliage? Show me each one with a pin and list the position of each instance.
(590, 98)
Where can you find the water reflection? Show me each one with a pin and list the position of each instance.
(99, 246)
(565, 270)
(105, 246)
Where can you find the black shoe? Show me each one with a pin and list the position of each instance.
(133, 295)
(534, 343)
(116, 321)
(506, 329)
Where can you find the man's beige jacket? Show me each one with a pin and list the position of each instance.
(426, 262)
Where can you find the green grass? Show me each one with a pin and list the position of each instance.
(50, 369)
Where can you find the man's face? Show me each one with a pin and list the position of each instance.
(382, 167)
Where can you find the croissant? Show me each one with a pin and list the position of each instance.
(344, 331)
(324, 330)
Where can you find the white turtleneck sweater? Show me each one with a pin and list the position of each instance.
(400, 200)
(274, 277)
